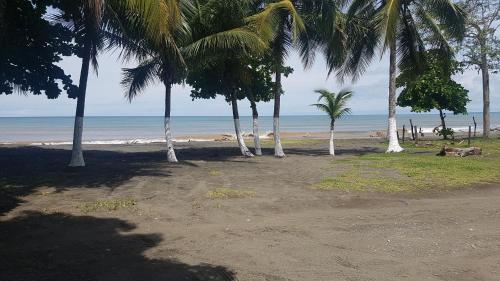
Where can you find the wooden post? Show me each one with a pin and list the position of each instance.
(416, 135)
(412, 134)
(470, 132)
(403, 133)
(475, 125)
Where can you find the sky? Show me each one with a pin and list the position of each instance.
(105, 96)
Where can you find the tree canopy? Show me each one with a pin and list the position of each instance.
(31, 48)
(433, 88)
(481, 45)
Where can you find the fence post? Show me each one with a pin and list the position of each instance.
(412, 134)
(475, 125)
(404, 133)
(470, 129)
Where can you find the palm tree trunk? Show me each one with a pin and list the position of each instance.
(332, 145)
(486, 95)
(278, 149)
(77, 153)
(168, 133)
(236, 116)
(392, 132)
(443, 122)
(256, 137)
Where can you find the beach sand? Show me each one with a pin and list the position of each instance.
(165, 226)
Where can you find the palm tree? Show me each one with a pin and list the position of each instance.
(306, 25)
(335, 107)
(402, 27)
(288, 25)
(95, 24)
(167, 61)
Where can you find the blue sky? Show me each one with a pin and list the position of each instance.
(105, 95)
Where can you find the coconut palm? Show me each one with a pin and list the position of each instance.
(306, 25)
(167, 61)
(96, 24)
(335, 107)
(401, 27)
(287, 25)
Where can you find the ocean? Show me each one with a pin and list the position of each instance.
(149, 129)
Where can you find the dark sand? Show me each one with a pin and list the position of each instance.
(286, 232)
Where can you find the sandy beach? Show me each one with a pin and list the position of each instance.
(166, 225)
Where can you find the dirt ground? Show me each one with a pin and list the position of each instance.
(287, 231)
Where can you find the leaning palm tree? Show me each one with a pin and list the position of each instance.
(335, 107)
(95, 24)
(404, 28)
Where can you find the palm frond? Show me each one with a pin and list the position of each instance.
(135, 80)
(335, 104)
(237, 38)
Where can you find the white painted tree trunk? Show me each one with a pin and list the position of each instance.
(168, 131)
(77, 153)
(170, 144)
(393, 137)
(236, 117)
(278, 149)
(392, 129)
(241, 142)
(256, 137)
(332, 145)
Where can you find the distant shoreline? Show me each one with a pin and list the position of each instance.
(130, 130)
(230, 116)
(231, 138)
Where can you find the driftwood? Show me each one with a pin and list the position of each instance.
(459, 152)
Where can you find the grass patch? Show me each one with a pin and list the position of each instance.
(416, 169)
(108, 205)
(229, 193)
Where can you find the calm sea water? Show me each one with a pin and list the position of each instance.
(32, 129)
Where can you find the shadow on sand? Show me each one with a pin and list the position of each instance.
(60, 247)
(24, 169)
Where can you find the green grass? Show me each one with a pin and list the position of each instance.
(108, 205)
(416, 169)
(229, 193)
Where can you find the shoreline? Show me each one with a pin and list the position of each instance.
(225, 137)
(228, 137)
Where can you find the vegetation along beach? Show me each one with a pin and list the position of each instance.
(250, 140)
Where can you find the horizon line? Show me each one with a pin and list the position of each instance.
(366, 114)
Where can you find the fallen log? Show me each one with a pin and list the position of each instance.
(459, 152)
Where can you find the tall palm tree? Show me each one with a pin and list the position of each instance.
(305, 25)
(95, 24)
(335, 107)
(286, 26)
(401, 27)
(167, 61)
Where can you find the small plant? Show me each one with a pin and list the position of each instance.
(445, 133)
(228, 193)
(334, 105)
